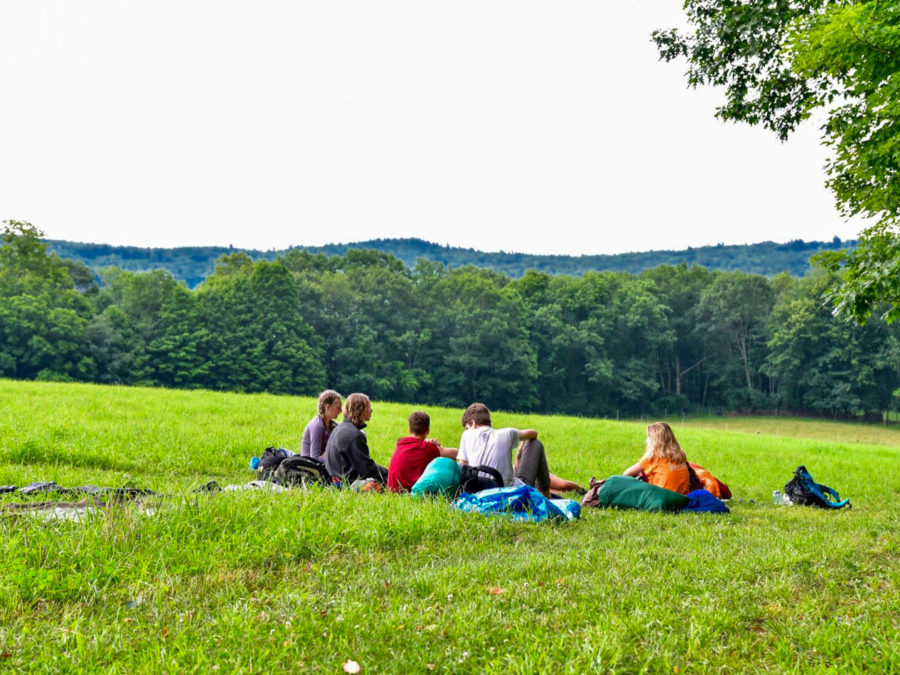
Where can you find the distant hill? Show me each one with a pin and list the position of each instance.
(194, 263)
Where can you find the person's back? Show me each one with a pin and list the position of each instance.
(482, 445)
(347, 453)
(338, 450)
(408, 462)
(667, 474)
(486, 446)
(315, 438)
(664, 464)
(413, 453)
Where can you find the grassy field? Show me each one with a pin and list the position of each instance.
(308, 580)
(821, 430)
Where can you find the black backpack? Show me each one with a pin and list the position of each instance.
(472, 482)
(803, 490)
(298, 471)
(269, 462)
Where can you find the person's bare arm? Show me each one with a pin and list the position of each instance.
(634, 471)
(444, 452)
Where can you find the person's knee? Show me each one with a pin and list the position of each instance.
(532, 467)
(530, 455)
(533, 447)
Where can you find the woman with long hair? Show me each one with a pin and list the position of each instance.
(664, 463)
(316, 433)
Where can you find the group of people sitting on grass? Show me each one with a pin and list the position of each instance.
(344, 450)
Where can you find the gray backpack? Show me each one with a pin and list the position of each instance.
(297, 471)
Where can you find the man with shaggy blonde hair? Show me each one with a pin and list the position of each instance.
(347, 453)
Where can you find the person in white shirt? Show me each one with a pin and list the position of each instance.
(482, 445)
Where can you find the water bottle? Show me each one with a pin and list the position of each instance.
(776, 497)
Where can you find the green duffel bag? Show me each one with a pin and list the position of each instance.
(441, 477)
(625, 492)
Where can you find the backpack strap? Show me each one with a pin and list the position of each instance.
(827, 493)
(491, 471)
(472, 481)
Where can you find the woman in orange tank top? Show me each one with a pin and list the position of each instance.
(664, 463)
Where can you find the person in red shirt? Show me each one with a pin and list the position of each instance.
(664, 463)
(413, 453)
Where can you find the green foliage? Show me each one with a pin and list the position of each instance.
(741, 46)
(779, 62)
(735, 313)
(129, 320)
(825, 364)
(193, 264)
(684, 360)
(42, 316)
(481, 334)
(672, 339)
(26, 267)
(870, 276)
(852, 49)
(255, 336)
(180, 349)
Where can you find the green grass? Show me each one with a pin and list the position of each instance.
(305, 580)
(823, 430)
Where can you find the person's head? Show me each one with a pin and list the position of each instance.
(329, 404)
(477, 413)
(661, 443)
(419, 423)
(358, 409)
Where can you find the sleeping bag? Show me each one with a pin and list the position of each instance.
(711, 483)
(441, 477)
(625, 492)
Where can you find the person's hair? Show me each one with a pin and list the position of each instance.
(419, 423)
(354, 407)
(478, 413)
(327, 398)
(662, 444)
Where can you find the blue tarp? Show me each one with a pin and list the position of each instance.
(518, 503)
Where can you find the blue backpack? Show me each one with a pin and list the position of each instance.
(803, 490)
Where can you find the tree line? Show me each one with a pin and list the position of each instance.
(194, 263)
(670, 339)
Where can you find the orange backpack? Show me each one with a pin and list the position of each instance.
(711, 483)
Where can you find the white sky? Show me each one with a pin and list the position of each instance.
(540, 127)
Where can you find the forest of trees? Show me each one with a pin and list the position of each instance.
(670, 339)
(193, 264)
